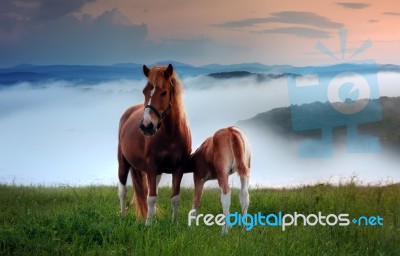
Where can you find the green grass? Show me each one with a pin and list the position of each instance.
(86, 221)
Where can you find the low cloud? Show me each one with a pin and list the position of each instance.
(299, 31)
(356, 6)
(286, 17)
(392, 13)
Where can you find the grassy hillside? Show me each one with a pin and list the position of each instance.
(85, 220)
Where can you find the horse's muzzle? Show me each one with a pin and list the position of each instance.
(148, 130)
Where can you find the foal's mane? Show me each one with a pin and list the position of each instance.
(156, 78)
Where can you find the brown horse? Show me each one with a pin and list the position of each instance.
(154, 138)
(226, 152)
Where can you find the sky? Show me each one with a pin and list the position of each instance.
(103, 32)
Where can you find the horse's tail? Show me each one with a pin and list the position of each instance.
(241, 152)
(140, 186)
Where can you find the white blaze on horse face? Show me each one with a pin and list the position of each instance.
(146, 115)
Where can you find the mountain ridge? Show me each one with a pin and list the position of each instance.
(92, 74)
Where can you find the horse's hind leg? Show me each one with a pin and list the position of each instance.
(175, 198)
(123, 170)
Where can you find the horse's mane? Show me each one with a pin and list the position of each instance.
(156, 78)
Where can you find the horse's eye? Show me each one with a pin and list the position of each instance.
(143, 91)
(164, 93)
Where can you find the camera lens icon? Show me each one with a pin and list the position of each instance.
(346, 96)
(345, 92)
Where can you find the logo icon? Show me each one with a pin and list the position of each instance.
(343, 94)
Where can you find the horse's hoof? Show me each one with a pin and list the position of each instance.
(225, 229)
(147, 223)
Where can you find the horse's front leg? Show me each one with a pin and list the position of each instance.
(175, 198)
(153, 181)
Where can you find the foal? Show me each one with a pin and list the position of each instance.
(226, 152)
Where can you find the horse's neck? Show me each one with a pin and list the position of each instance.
(173, 122)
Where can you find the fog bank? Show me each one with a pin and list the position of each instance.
(62, 133)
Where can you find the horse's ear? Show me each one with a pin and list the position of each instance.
(168, 72)
(146, 71)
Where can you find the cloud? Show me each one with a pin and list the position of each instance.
(242, 23)
(70, 40)
(106, 39)
(353, 5)
(392, 13)
(373, 21)
(286, 17)
(52, 9)
(47, 31)
(19, 17)
(299, 31)
(40, 33)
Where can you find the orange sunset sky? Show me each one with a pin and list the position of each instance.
(196, 32)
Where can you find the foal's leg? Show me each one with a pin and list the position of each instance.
(225, 194)
(152, 197)
(198, 192)
(175, 198)
(244, 194)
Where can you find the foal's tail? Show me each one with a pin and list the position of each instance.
(241, 152)
(141, 190)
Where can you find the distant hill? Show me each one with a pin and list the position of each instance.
(279, 121)
(240, 74)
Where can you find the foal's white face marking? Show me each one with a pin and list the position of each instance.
(146, 116)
